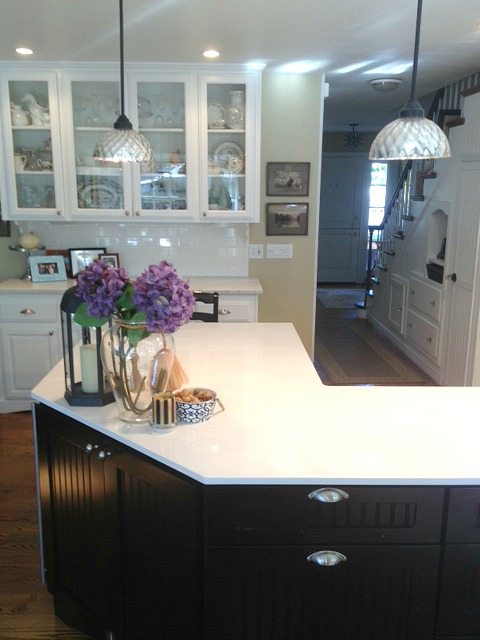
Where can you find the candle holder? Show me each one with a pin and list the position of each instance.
(85, 381)
(27, 253)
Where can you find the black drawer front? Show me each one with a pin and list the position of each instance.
(459, 609)
(464, 515)
(286, 515)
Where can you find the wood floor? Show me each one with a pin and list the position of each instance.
(26, 609)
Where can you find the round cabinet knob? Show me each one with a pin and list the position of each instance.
(89, 448)
(50, 333)
(224, 312)
(452, 277)
(59, 213)
(328, 494)
(326, 558)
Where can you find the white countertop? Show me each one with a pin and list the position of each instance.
(281, 425)
(226, 285)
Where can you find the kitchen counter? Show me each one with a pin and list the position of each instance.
(281, 425)
(225, 285)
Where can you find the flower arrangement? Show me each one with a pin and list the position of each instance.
(159, 299)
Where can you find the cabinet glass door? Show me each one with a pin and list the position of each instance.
(165, 189)
(99, 186)
(32, 147)
(230, 141)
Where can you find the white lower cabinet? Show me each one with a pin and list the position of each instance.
(238, 308)
(30, 344)
(424, 316)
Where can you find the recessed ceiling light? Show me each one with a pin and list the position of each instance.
(24, 51)
(384, 85)
(211, 53)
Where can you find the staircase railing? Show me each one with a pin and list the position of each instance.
(385, 234)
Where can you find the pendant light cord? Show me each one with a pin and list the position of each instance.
(416, 50)
(122, 82)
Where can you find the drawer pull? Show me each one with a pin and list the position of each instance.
(432, 303)
(224, 312)
(326, 558)
(327, 494)
(28, 312)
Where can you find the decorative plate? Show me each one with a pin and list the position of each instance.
(215, 115)
(225, 151)
(100, 195)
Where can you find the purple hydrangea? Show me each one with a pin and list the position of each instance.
(100, 286)
(164, 297)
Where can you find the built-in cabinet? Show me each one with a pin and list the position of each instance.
(424, 315)
(130, 546)
(203, 124)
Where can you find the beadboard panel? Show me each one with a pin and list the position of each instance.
(218, 249)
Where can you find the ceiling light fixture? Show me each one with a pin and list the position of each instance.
(123, 143)
(24, 51)
(353, 139)
(384, 85)
(211, 53)
(411, 136)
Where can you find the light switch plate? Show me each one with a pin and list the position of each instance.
(280, 251)
(255, 251)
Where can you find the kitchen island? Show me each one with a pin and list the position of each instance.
(300, 511)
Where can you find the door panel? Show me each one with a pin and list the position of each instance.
(341, 202)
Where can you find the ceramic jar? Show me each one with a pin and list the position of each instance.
(235, 114)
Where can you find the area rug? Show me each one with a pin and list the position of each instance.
(351, 353)
(339, 298)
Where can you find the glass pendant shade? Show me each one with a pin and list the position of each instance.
(123, 145)
(410, 138)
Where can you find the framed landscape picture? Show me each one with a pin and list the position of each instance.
(287, 219)
(288, 178)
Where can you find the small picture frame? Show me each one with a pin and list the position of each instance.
(47, 268)
(287, 219)
(110, 259)
(66, 258)
(288, 178)
(81, 258)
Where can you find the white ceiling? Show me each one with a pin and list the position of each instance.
(327, 34)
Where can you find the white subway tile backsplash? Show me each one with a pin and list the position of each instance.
(194, 249)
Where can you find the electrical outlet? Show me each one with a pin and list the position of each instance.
(280, 251)
(255, 251)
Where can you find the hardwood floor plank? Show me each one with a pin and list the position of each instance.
(26, 607)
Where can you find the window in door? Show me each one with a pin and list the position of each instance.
(378, 191)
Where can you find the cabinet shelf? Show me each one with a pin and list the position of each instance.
(31, 127)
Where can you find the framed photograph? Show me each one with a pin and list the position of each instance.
(81, 258)
(47, 268)
(288, 178)
(110, 259)
(66, 258)
(4, 226)
(287, 219)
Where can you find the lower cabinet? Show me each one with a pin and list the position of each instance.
(136, 551)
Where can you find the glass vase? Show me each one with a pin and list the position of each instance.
(136, 368)
(235, 115)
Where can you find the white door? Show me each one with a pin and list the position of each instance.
(340, 239)
(459, 284)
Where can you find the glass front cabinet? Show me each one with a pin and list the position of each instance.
(203, 128)
(32, 178)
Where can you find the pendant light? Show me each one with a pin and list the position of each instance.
(123, 143)
(411, 136)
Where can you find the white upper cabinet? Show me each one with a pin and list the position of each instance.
(32, 177)
(204, 129)
(229, 123)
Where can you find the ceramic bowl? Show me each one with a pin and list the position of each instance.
(193, 412)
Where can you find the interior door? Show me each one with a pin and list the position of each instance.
(341, 204)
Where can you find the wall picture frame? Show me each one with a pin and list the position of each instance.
(47, 268)
(80, 258)
(288, 178)
(110, 259)
(287, 219)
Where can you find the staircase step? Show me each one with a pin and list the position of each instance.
(375, 280)
(382, 267)
(429, 176)
(418, 198)
(457, 122)
(389, 252)
(408, 218)
(398, 234)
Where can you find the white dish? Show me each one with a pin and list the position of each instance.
(101, 195)
(225, 151)
(215, 115)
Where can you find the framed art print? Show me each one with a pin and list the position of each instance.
(287, 219)
(288, 178)
(81, 258)
(110, 259)
(47, 268)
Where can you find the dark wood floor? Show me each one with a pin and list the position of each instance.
(26, 610)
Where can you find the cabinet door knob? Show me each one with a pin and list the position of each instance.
(28, 312)
(50, 333)
(326, 558)
(452, 277)
(224, 312)
(138, 214)
(127, 213)
(59, 213)
(328, 494)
